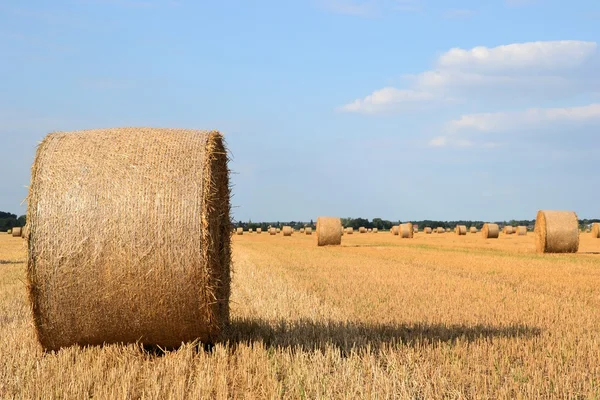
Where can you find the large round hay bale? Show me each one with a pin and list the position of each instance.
(362, 229)
(16, 231)
(350, 230)
(490, 231)
(308, 231)
(258, 231)
(277, 230)
(448, 230)
(508, 230)
(144, 220)
(596, 230)
(556, 231)
(416, 228)
(329, 231)
(301, 230)
(406, 231)
(440, 230)
(375, 230)
(460, 230)
(521, 230)
(395, 230)
(369, 230)
(240, 231)
(428, 230)
(287, 231)
(472, 229)
(272, 231)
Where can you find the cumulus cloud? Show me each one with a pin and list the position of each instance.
(386, 99)
(534, 70)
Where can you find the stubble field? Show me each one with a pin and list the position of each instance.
(437, 316)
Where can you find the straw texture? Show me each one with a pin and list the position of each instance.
(406, 231)
(17, 232)
(490, 231)
(308, 231)
(473, 229)
(329, 231)
(521, 230)
(143, 252)
(427, 230)
(556, 232)
(395, 230)
(287, 231)
(461, 230)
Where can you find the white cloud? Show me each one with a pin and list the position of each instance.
(519, 71)
(386, 99)
(528, 119)
(458, 13)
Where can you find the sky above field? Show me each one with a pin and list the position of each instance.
(399, 109)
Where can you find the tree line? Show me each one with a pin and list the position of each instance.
(9, 221)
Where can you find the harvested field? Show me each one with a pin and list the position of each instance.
(439, 316)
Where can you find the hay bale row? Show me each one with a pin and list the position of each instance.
(460, 230)
(329, 231)
(556, 232)
(490, 231)
(159, 273)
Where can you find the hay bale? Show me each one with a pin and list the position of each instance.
(144, 219)
(258, 231)
(329, 231)
(521, 230)
(490, 231)
(240, 231)
(440, 230)
(395, 230)
(369, 230)
(427, 230)
(556, 232)
(508, 230)
(362, 229)
(448, 230)
(472, 229)
(460, 230)
(272, 231)
(287, 231)
(308, 231)
(277, 230)
(249, 230)
(416, 228)
(350, 230)
(9, 231)
(406, 231)
(301, 230)
(595, 230)
(375, 230)
(16, 231)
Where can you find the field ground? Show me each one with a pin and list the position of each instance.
(438, 316)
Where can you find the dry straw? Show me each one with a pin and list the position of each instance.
(473, 229)
(17, 232)
(521, 230)
(556, 232)
(144, 249)
(440, 230)
(308, 231)
(329, 231)
(596, 230)
(395, 230)
(461, 230)
(240, 231)
(287, 231)
(362, 229)
(428, 230)
(490, 231)
(406, 231)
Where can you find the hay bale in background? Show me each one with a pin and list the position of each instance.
(301, 230)
(329, 231)
(556, 232)
(375, 230)
(460, 230)
(427, 230)
(395, 230)
(144, 218)
(250, 230)
(240, 231)
(258, 230)
(362, 229)
(308, 231)
(9, 231)
(277, 230)
(350, 230)
(508, 230)
(369, 230)
(448, 230)
(287, 231)
(596, 230)
(16, 231)
(473, 229)
(490, 231)
(440, 230)
(416, 228)
(272, 231)
(406, 231)
(521, 230)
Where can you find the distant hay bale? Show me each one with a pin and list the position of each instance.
(508, 230)
(416, 228)
(287, 231)
(406, 231)
(460, 230)
(427, 230)
(350, 230)
(277, 230)
(596, 230)
(258, 231)
(16, 231)
(375, 230)
(521, 230)
(272, 231)
(395, 230)
(448, 230)
(556, 232)
(143, 215)
(440, 230)
(369, 230)
(308, 231)
(301, 230)
(250, 230)
(9, 231)
(329, 231)
(490, 231)
(473, 229)
(362, 229)
(240, 231)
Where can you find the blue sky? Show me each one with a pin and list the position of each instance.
(400, 109)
